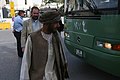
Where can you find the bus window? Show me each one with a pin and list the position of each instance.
(102, 7)
(75, 5)
(106, 3)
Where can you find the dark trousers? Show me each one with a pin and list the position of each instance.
(18, 38)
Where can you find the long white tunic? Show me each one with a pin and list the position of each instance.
(26, 61)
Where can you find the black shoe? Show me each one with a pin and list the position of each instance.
(20, 56)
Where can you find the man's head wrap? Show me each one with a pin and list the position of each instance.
(50, 17)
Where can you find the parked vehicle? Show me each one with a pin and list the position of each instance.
(92, 32)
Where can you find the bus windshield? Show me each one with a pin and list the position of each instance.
(75, 5)
(105, 3)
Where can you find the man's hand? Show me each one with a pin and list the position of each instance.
(13, 31)
(23, 48)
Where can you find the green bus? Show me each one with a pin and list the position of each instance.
(92, 32)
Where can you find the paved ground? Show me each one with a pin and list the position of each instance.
(9, 61)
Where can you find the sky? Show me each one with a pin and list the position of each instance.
(37, 1)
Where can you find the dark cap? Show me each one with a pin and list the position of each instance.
(21, 11)
(50, 17)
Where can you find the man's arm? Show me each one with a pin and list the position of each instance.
(26, 61)
(24, 34)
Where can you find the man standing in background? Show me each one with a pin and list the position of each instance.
(30, 25)
(17, 27)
